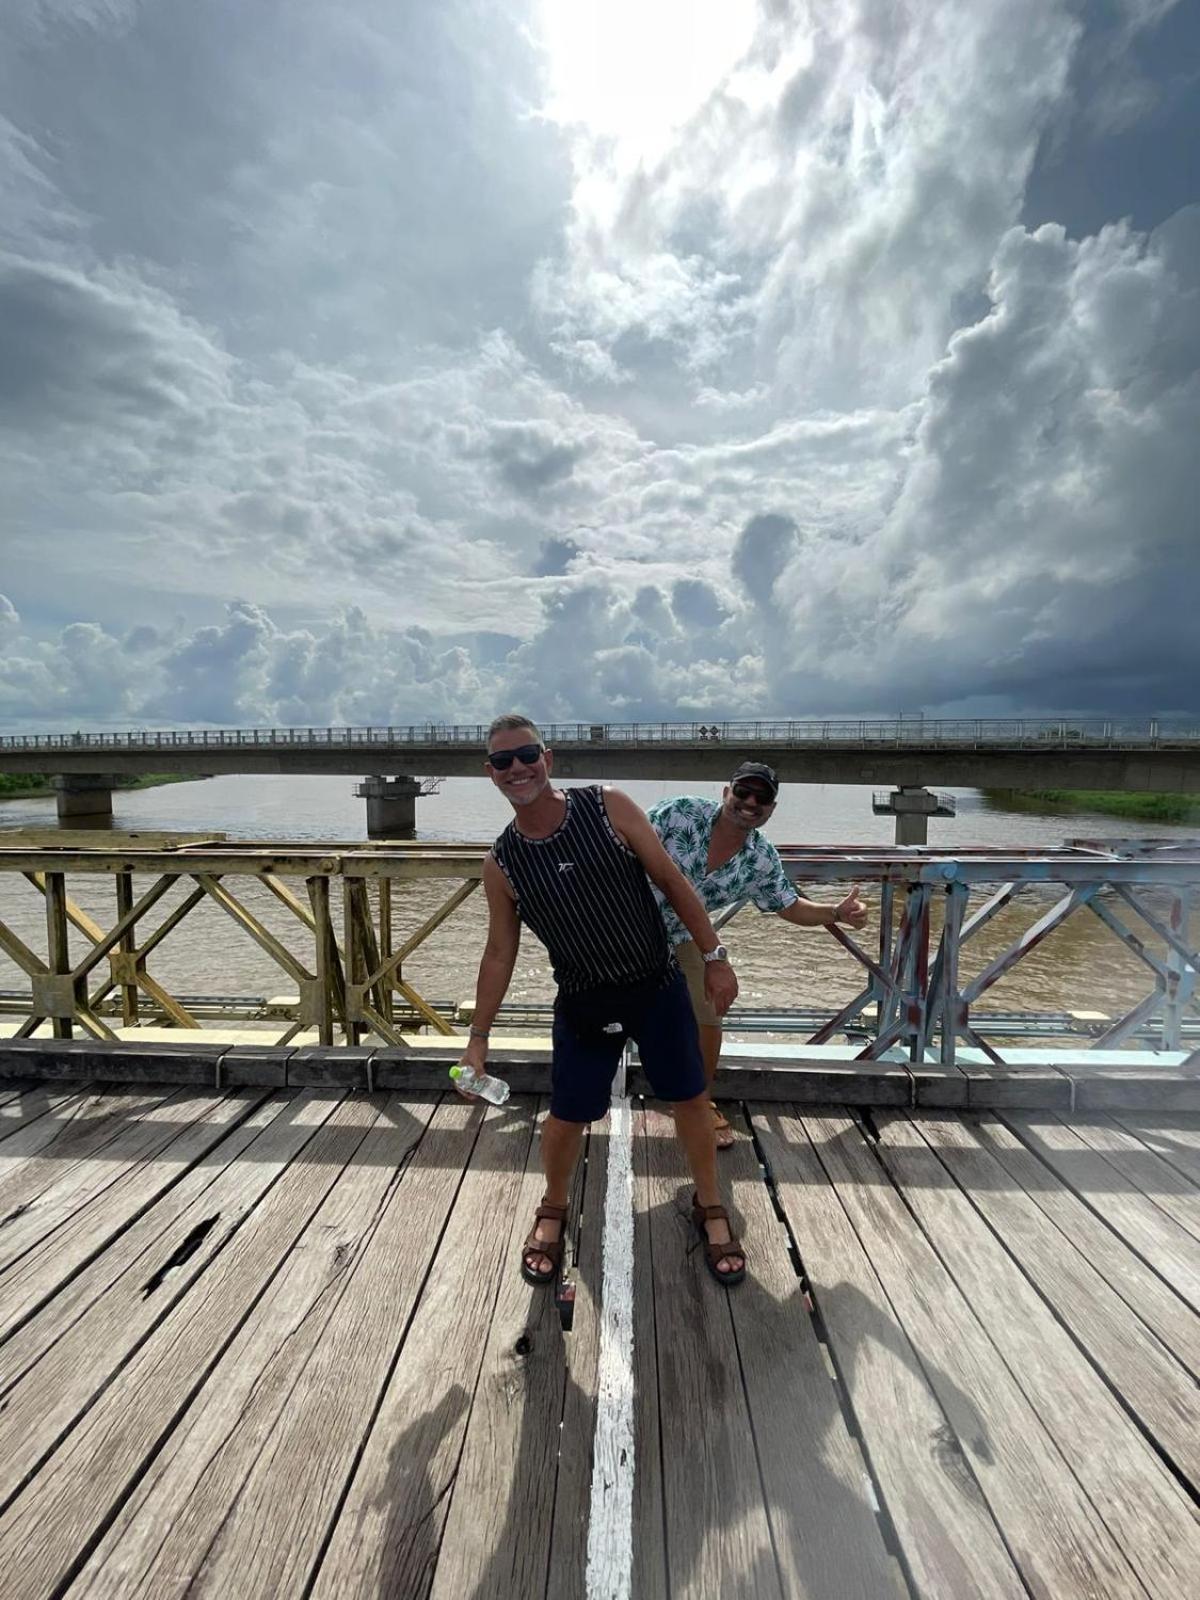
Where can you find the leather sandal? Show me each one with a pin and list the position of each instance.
(714, 1254)
(551, 1249)
(723, 1128)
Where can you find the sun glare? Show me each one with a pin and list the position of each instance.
(634, 70)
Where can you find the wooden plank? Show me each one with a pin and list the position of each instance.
(1167, 1247)
(1170, 1190)
(114, 838)
(1159, 1307)
(650, 1578)
(1174, 1136)
(990, 1086)
(1144, 1508)
(81, 1479)
(863, 1083)
(42, 1150)
(136, 1136)
(388, 1530)
(567, 1569)
(262, 1065)
(167, 1247)
(819, 1499)
(497, 1534)
(1146, 1377)
(939, 1084)
(92, 1228)
(1056, 1538)
(341, 1066)
(119, 1062)
(31, 1103)
(929, 1489)
(1148, 1089)
(273, 1432)
(718, 1536)
(290, 862)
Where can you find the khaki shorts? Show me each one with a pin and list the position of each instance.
(692, 962)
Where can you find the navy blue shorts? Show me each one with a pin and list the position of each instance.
(661, 1023)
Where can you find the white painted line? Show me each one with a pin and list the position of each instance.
(610, 1523)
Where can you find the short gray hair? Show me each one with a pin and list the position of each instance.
(509, 723)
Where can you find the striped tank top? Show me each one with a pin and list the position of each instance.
(586, 896)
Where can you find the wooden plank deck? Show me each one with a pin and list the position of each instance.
(273, 1342)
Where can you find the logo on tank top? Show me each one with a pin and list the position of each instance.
(565, 866)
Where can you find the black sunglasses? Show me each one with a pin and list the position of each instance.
(527, 754)
(745, 791)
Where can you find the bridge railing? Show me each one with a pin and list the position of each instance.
(919, 733)
(938, 947)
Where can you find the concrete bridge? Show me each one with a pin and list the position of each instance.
(909, 754)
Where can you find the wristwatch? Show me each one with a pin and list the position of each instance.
(718, 954)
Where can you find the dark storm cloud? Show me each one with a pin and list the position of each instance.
(1125, 141)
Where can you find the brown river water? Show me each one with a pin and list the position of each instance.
(1081, 966)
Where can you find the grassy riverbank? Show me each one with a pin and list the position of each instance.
(34, 785)
(1113, 803)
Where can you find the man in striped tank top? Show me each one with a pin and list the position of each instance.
(576, 866)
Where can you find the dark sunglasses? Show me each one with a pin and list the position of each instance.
(527, 754)
(744, 791)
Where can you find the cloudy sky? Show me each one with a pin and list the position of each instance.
(366, 361)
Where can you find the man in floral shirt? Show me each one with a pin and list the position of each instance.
(717, 846)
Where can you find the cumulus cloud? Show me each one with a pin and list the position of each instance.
(531, 456)
(246, 670)
(847, 175)
(697, 604)
(1043, 545)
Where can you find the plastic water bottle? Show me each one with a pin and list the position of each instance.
(493, 1090)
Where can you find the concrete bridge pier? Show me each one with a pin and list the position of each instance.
(391, 806)
(84, 794)
(912, 806)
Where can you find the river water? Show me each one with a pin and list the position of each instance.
(1081, 966)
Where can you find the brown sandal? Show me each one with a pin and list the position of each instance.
(551, 1249)
(714, 1254)
(723, 1130)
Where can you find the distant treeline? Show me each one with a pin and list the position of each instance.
(1113, 802)
(32, 785)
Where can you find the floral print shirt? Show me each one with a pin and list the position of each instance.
(755, 873)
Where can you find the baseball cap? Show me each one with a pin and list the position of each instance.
(759, 771)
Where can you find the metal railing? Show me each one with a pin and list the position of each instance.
(1040, 733)
(920, 987)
